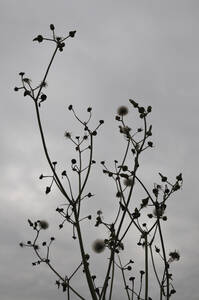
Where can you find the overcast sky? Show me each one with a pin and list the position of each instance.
(146, 50)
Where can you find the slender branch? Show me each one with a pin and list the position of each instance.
(164, 256)
(146, 268)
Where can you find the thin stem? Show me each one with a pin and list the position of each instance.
(112, 279)
(68, 290)
(52, 268)
(89, 168)
(85, 263)
(48, 157)
(111, 261)
(153, 264)
(124, 279)
(164, 256)
(46, 73)
(146, 267)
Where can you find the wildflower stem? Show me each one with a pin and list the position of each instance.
(53, 269)
(146, 267)
(111, 261)
(124, 279)
(112, 280)
(154, 268)
(85, 263)
(59, 184)
(164, 257)
(46, 73)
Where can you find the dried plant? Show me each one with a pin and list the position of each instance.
(151, 208)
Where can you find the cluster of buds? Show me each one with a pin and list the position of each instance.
(26, 86)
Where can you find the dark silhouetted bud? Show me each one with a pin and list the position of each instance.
(163, 178)
(149, 109)
(67, 134)
(150, 216)
(43, 97)
(72, 33)
(132, 278)
(155, 191)
(150, 144)
(174, 256)
(135, 104)
(70, 107)
(142, 116)
(87, 256)
(26, 93)
(39, 38)
(176, 187)
(136, 214)
(144, 202)
(48, 189)
(141, 110)
(30, 223)
(142, 272)
(52, 27)
(179, 177)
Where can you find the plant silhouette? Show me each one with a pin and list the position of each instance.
(151, 208)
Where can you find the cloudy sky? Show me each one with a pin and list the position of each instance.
(146, 50)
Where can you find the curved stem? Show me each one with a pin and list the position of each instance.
(47, 155)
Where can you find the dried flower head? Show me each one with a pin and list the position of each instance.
(67, 134)
(128, 181)
(174, 256)
(122, 110)
(98, 246)
(159, 211)
(43, 224)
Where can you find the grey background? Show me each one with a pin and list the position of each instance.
(145, 50)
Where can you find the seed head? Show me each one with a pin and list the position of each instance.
(122, 110)
(174, 256)
(98, 246)
(67, 135)
(128, 181)
(43, 224)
